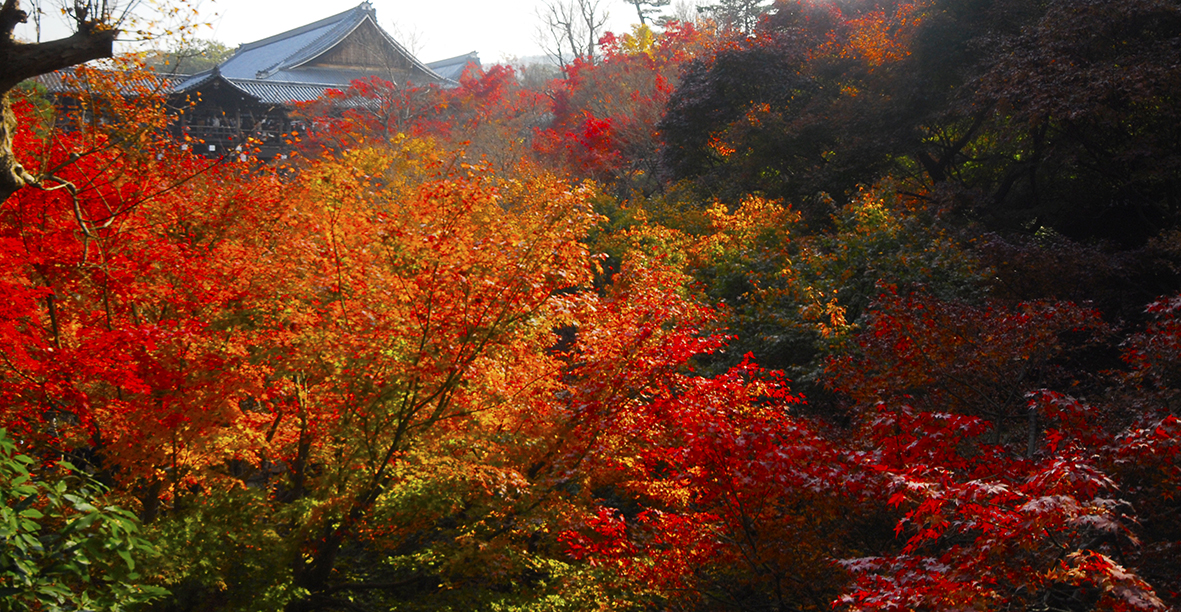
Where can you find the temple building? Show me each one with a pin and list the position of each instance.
(250, 93)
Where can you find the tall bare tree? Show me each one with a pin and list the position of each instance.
(570, 29)
(96, 24)
(647, 8)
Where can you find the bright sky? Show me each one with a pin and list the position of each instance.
(497, 29)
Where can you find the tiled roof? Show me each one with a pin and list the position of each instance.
(452, 68)
(192, 82)
(275, 69)
(277, 92)
(266, 56)
(66, 80)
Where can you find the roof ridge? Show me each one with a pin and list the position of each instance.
(303, 29)
(299, 57)
(470, 55)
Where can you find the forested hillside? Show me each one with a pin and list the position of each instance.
(875, 308)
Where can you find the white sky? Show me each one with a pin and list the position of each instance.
(497, 29)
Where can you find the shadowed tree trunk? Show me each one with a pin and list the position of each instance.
(19, 61)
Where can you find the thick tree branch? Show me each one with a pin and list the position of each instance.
(21, 61)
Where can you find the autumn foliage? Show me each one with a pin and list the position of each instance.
(835, 316)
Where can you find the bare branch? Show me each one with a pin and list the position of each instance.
(570, 29)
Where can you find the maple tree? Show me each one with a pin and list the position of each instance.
(488, 118)
(128, 291)
(605, 112)
(436, 309)
(723, 496)
(1010, 486)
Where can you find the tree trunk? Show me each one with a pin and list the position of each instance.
(20, 61)
(12, 174)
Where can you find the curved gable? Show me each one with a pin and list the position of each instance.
(365, 48)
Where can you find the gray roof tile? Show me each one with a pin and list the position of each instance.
(271, 92)
(452, 68)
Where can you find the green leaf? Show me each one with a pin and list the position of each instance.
(81, 523)
(127, 558)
